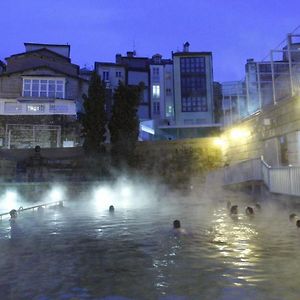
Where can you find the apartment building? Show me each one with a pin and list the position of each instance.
(40, 95)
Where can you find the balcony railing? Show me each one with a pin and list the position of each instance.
(60, 107)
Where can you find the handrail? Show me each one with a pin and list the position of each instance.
(32, 207)
(264, 162)
(280, 180)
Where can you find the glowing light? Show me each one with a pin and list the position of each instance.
(237, 133)
(125, 191)
(9, 201)
(220, 142)
(103, 198)
(56, 194)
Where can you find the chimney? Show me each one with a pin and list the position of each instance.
(130, 53)
(118, 58)
(156, 58)
(186, 47)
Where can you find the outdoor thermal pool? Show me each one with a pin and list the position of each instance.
(85, 252)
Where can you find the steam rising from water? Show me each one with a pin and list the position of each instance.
(222, 253)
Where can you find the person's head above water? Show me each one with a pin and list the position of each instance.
(292, 217)
(234, 209)
(249, 211)
(111, 208)
(176, 224)
(13, 213)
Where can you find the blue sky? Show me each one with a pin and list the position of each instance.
(233, 30)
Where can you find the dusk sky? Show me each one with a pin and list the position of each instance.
(233, 30)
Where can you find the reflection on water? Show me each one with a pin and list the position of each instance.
(76, 253)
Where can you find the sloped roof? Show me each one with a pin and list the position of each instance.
(39, 50)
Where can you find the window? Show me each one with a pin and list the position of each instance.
(194, 104)
(118, 74)
(156, 91)
(193, 84)
(192, 65)
(44, 88)
(105, 75)
(168, 92)
(169, 112)
(155, 71)
(156, 108)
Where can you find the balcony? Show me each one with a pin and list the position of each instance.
(56, 107)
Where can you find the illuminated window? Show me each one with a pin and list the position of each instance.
(169, 111)
(156, 91)
(44, 88)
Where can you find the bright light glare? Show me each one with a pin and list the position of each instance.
(239, 133)
(220, 142)
(56, 194)
(125, 191)
(103, 198)
(9, 201)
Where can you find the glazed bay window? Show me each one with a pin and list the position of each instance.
(44, 88)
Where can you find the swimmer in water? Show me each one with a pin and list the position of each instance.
(177, 228)
(111, 209)
(234, 210)
(15, 231)
(293, 217)
(257, 206)
(249, 211)
(13, 214)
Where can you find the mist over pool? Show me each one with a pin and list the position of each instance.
(83, 251)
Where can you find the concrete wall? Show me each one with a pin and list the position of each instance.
(68, 130)
(155, 156)
(264, 133)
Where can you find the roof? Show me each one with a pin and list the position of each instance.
(191, 53)
(39, 50)
(42, 44)
(109, 64)
(40, 67)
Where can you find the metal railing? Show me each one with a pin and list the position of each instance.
(21, 209)
(66, 107)
(245, 171)
(279, 180)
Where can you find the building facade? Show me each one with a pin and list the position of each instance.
(131, 70)
(234, 101)
(177, 99)
(40, 95)
(193, 87)
(271, 125)
(161, 82)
